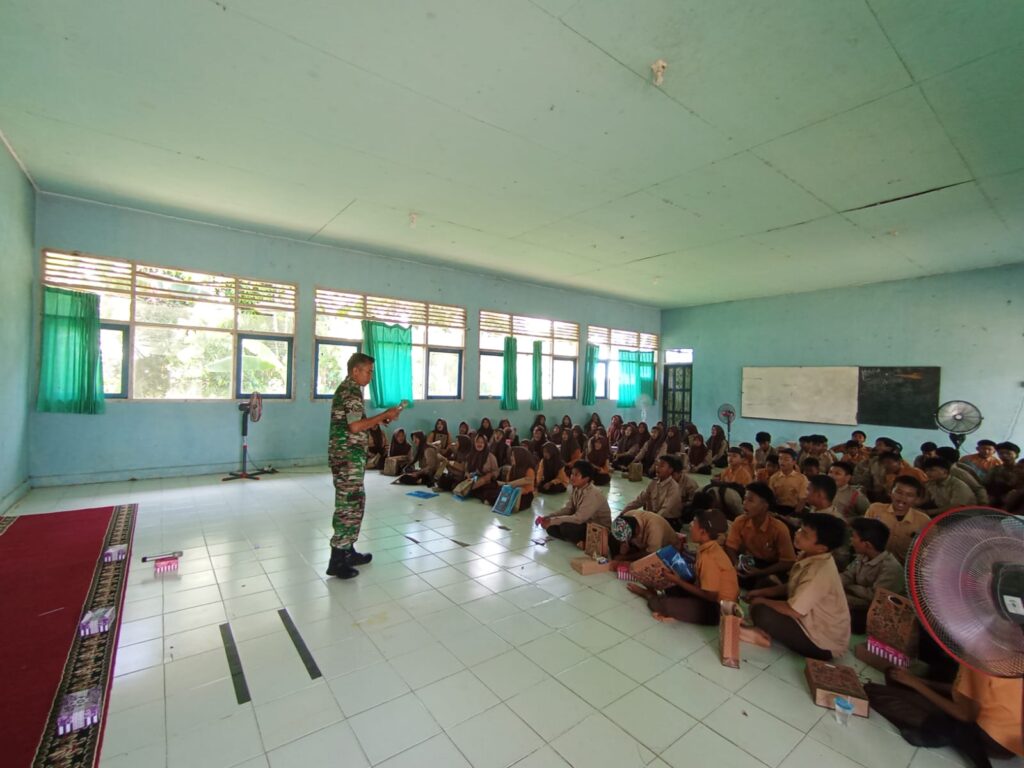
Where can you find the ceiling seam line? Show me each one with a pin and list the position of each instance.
(24, 169)
(333, 218)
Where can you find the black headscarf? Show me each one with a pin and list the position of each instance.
(522, 462)
(552, 462)
(399, 448)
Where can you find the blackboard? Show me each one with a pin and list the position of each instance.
(898, 397)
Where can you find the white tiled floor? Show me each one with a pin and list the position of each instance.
(493, 654)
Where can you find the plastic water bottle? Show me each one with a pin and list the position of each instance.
(843, 710)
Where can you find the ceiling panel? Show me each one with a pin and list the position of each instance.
(933, 36)
(890, 148)
(981, 106)
(1006, 193)
(757, 70)
(741, 195)
(949, 230)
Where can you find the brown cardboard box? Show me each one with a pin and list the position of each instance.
(827, 681)
(585, 566)
(651, 572)
(729, 634)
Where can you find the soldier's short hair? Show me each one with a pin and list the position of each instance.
(359, 359)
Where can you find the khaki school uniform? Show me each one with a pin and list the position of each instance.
(863, 577)
(851, 501)
(661, 497)
(716, 573)
(770, 541)
(999, 702)
(741, 475)
(585, 505)
(972, 482)
(948, 493)
(790, 490)
(816, 593)
(901, 531)
(652, 532)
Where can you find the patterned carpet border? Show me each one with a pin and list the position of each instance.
(90, 660)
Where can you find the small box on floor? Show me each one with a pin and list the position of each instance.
(585, 566)
(827, 681)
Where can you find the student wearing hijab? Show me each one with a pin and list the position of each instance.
(555, 435)
(566, 422)
(552, 471)
(510, 432)
(439, 437)
(718, 446)
(377, 447)
(522, 474)
(614, 431)
(464, 428)
(571, 449)
(629, 446)
(539, 421)
(399, 447)
(485, 428)
(600, 457)
(594, 421)
(538, 439)
(699, 456)
(652, 450)
(674, 444)
(483, 468)
(500, 449)
(455, 467)
(424, 463)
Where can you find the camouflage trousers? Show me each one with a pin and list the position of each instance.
(349, 498)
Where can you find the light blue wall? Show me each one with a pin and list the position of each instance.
(17, 210)
(969, 323)
(144, 439)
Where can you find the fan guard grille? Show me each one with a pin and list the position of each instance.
(958, 417)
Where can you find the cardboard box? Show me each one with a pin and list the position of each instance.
(827, 681)
(729, 634)
(585, 566)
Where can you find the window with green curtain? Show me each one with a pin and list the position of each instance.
(629, 378)
(391, 348)
(590, 375)
(71, 372)
(537, 401)
(645, 364)
(509, 380)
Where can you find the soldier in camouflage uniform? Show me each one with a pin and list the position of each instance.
(346, 453)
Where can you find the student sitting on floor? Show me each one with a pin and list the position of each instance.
(788, 485)
(810, 467)
(759, 535)
(424, 465)
(871, 474)
(600, 456)
(699, 456)
(688, 487)
(661, 495)
(715, 578)
(813, 619)
(943, 491)
(895, 466)
(629, 446)
(952, 456)
(1006, 477)
(764, 449)
(551, 471)
(850, 499)
(900, 516)
(738, 472)
(872, 567)
(771, 466)
(979, 715)
(586, 504)
(483, 468)
(717, 446)
(984, 460)
(928, 451)
(454, 469)
(522, 474)
(570, 448)
(439, 437)
(639, 533)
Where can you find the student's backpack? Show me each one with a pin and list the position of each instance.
(636, 472)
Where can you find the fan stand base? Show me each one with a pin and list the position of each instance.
(244, 475)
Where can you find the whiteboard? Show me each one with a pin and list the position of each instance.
(822, 394)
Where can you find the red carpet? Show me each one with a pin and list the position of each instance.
(51, 572)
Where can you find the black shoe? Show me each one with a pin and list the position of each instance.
(358, 558)
(341, 564)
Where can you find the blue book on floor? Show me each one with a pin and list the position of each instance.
(507, 501)
(422, 494)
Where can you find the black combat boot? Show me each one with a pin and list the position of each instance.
(341, 564)
(358, 558)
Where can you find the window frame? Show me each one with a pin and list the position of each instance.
(130, 291)
(126, 353)
(316, 360)
(551, 356)
(488, 353)
(240, 339)
(359, 312)
(607, 341)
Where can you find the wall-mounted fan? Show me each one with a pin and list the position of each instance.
(252, 410)
(958, 418)
(727, 415)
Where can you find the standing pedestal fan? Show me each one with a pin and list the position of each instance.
(958, 418)
(251, 411)
(727, 415)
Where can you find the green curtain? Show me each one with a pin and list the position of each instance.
(590, 375)
(646, 374)
(71, 371)
(536, 401)
(509, 380)
(391, 347)
(629, 378)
